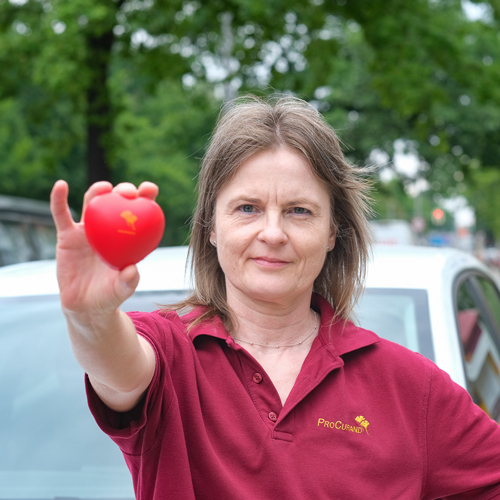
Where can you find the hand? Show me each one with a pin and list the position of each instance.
(89, 287)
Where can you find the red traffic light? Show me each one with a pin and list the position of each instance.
(438, 216)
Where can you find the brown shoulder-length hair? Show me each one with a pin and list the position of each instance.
(247, 126)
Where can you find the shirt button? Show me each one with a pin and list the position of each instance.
(257, 378)
(272, 416)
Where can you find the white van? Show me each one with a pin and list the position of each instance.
(392, 232)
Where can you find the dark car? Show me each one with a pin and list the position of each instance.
(27, 230)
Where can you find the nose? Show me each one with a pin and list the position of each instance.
(273, 232)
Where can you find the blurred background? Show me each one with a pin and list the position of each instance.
(129, 90)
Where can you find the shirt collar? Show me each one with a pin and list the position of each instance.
(342, 335)
(213, 327)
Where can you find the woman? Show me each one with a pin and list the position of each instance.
(264, 388)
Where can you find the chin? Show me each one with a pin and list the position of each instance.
(271, 293)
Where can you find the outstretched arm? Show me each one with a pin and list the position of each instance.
(120, 363)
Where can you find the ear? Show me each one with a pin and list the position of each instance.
(331, 238)
(213, 235)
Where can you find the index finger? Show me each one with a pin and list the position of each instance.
(59, 206)
(148, 190)
(99, 187)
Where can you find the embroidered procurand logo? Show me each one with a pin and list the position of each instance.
(342, 426)
(363, 422)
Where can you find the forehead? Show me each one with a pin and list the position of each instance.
(282, 168)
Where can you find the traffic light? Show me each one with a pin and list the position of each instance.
(438, 217)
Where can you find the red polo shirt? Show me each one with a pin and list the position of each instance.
(366, 419)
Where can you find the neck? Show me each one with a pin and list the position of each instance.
(273, 323)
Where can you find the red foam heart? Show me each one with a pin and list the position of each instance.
(122, 231)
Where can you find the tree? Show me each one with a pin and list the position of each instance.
(80, 71)
(67, 50)
(483, 194)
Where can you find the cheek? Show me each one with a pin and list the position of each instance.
(314, 240)
(314, 256)
(229, 249)
(235, 234)
(317, 261)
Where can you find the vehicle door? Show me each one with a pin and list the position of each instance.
(477, 307)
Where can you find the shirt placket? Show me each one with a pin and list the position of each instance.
(259, 386)
(261, 389)
(279, 418)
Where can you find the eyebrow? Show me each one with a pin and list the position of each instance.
(244, 199)
(304, 201)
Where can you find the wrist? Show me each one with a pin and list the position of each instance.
(94, 323)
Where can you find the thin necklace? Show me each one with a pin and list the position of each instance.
(282, 345)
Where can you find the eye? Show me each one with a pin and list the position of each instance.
(248, 209)
(300, 210)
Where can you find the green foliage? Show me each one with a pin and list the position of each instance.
(36, 148)
(161, 139)
(484, 195)
(379, 71)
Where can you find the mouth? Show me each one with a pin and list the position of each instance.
(270, 262)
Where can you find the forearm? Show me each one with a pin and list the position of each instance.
(120, 364)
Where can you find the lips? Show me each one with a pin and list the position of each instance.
(270, 262)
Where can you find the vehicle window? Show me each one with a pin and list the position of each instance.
(491, 295)
(51, 445)
(398, 315)
(477, 312)
(45, 239)
(14, 243)
(151, 301)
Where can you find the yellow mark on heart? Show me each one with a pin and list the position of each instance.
(130, 219)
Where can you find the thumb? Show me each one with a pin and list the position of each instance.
(128, 279)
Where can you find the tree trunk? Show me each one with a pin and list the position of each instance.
(99, 114)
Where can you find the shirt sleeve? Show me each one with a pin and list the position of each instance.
(137, 430)
(463, 444)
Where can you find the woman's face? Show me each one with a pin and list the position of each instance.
(272, 228)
